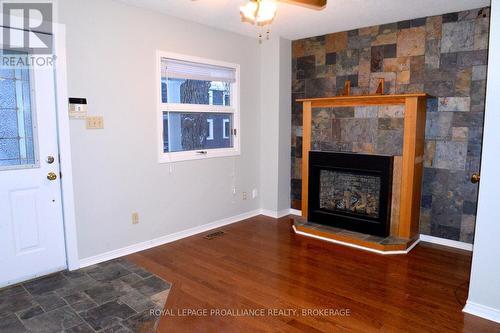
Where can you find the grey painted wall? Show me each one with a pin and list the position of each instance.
(111, 51)
(275, 124)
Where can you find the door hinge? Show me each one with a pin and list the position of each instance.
(235, 131)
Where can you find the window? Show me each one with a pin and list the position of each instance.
(198, 108)
(226, 129)
(17, 133)
(210, 135)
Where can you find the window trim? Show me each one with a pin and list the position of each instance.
(234, 109)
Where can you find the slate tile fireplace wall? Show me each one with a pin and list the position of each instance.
(444, 56)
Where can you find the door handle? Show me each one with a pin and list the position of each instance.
(475, 178)
(51, 176)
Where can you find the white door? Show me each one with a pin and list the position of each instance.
(31, 224)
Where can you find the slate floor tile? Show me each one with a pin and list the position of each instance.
(111, 297)
(84, 305)
(107, 315)
(82, 328)
(160, 299)
(108, 271)
(78, 284)
(151, 286)
(131, 278)
(141, 272)
(11, 324)
(50, 301)
(137, 301)
(75, 298)
(31, 312)
(103, 292)
(54, 321)
(117, 329)
(16, 302)
(73, 274)
(46, 284)
(80, 302)
(142, 322)
(6, 292)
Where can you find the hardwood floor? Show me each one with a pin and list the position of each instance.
(261, 264)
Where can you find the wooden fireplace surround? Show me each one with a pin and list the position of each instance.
(411, 163)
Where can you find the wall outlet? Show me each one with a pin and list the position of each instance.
(255, 193)
(95, 122)
(245, 195)
(135, 218)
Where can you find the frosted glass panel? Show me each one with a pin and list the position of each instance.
(7, 93)
(17, 143)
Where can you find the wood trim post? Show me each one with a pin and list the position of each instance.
(412, 169)
(306, 148)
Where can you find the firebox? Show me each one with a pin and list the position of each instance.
(351, 191)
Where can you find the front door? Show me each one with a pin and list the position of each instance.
(31, 223)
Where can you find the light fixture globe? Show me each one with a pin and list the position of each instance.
(259, 12)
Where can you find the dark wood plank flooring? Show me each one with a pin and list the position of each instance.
(261, 264)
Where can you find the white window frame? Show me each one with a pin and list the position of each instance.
(210, 135)
(225, 123)
(233, 109)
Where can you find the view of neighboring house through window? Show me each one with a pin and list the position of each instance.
(226, 129)
(210, 135)
(199, 108)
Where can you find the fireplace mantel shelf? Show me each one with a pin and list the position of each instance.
(410, 177)
(361, 100)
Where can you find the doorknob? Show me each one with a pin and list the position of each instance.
(475, 178)
(51, 176)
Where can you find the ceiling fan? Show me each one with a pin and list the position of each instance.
(262, 12)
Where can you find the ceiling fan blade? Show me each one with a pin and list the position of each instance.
(315, 4)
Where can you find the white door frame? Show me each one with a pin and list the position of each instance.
(484, 289)
(63, 135)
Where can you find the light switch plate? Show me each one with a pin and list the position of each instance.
(96, 122)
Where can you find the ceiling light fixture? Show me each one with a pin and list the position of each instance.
(260, 13)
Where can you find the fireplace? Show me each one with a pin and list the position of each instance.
(351, 191)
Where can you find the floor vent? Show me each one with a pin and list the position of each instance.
(214, 235)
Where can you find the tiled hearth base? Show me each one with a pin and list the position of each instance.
(115, 296)
(388, 245)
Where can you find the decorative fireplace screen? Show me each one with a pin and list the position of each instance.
(351, 191)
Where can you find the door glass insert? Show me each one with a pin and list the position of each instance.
(17, 125)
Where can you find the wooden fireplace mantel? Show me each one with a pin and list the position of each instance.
(413, 151)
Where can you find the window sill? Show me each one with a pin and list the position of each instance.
(193, 156)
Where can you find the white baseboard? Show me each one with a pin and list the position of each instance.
(217, 224)
(446, 242)
(281, 213)
(482, 311)
(275, 214)
(164, 239)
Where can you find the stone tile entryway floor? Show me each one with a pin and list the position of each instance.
(115, 296)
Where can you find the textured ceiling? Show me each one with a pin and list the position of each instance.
(295, 22)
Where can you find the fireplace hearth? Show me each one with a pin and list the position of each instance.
(351, 191)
